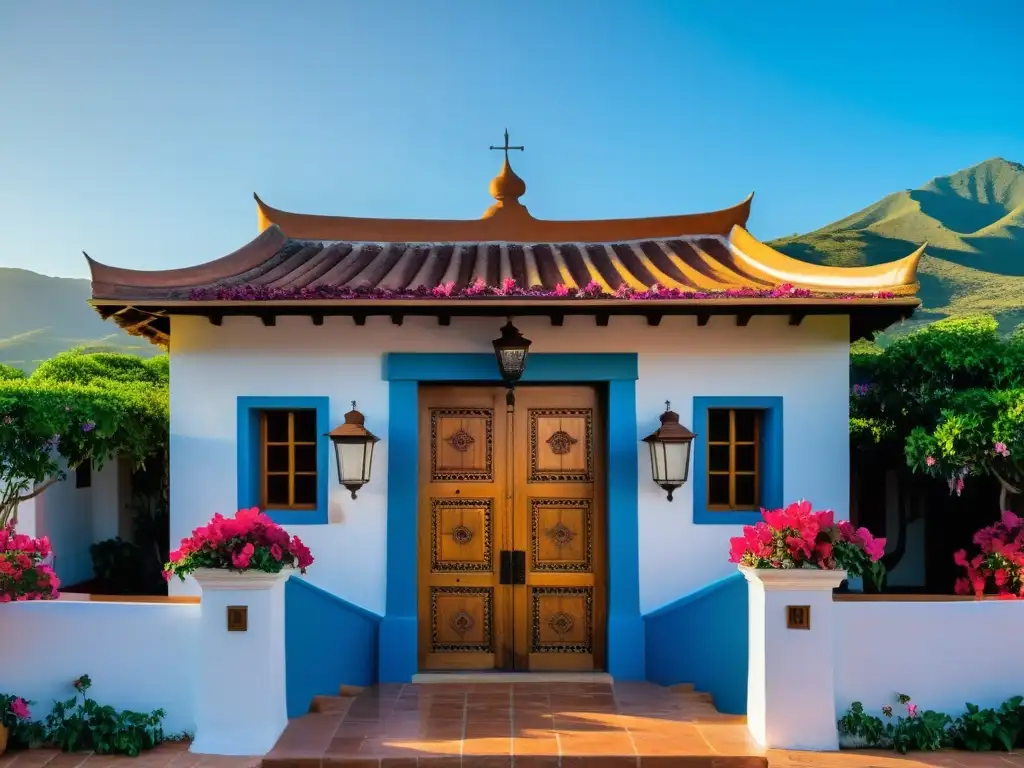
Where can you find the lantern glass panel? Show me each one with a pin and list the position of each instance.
(512, 363)
(353, 461)
(670, 462)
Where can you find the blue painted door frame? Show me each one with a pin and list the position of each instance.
(405, 372)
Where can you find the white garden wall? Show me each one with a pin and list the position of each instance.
(941, 653)
(140, 656)
(211, 366)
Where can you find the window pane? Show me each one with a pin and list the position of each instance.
(277, 491)
(718, 458)
(305, 489)
(745, 495)
(277, 458)
(746, 458)
(277, 426)
(718, 489)
(305, 426)
(305, 458)
(746, 421)
(718, 425)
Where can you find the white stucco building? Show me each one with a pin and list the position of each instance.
(525, 537)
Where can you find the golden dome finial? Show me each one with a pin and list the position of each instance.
(506, 187)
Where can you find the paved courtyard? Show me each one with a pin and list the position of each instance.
(549, 725)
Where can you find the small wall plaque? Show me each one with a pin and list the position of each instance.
(798, 617)
(238, 618)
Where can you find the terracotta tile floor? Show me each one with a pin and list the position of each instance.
(167, 755)
(872, 759)
(526, 725)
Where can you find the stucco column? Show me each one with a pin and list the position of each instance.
(791, 676)
(240, 704)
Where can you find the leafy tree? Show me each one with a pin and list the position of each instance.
(103, 368)
(9, 372)
(62, 413)
(949, 398)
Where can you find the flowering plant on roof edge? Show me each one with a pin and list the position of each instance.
(509, 289)
(23, 575)
(999, 567)
(798, 537)
(249, 541)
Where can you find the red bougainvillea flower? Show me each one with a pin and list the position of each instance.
(998, 568)
(248, 541)
(797, 536)
(23, 574)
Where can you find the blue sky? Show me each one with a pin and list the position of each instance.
(138, 131)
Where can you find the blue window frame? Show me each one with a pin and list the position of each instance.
(251, 457)
(766, 446)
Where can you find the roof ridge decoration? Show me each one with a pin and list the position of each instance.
(506, 189)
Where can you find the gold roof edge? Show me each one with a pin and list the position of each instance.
(898, 277)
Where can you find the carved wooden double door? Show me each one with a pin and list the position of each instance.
(511, 529)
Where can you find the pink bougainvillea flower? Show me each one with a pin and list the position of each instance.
(930, 461)
(911, 710)
(275, 551)
(1002, 450)
(737, 548)
(19, 708)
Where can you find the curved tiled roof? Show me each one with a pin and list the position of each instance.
(278, 263)
(369, 266)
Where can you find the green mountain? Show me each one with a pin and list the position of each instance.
(41, 316)
(973, 222)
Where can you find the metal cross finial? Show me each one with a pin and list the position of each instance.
(668, 406)
(507, 147)
(353, 405)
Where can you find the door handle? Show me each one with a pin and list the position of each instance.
(518, 566)
(505, 567)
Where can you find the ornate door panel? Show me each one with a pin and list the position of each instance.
(558, 503)
(511, 530)
(464, 613)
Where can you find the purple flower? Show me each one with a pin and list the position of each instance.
(89, 426)
(508, 287)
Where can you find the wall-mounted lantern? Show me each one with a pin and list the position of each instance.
(670, 451)
(353, 449)
(511, 351)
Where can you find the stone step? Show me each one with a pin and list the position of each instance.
(554, 724)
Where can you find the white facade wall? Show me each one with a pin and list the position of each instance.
(140, 656)
(940, 653)
(211, 366)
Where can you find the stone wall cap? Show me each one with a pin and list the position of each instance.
(222, 578)
(802, 579)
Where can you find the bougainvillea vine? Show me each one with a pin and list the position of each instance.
(508, 289)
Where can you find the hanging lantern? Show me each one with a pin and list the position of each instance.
(511, 351)
(353, 449)
(670, 451)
